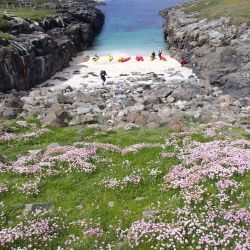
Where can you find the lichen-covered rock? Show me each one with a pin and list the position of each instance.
(218, 51)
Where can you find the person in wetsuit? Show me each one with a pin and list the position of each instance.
(103, 75)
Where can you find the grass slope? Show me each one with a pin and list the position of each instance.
(28, 14)
(237, 10)
(69, 191)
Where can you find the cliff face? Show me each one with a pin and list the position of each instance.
(39, 50)
(218, 52)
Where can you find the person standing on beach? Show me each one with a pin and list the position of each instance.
(160, 53)
(103, 75)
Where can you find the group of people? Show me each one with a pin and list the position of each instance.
(103, 73)
(159, 54)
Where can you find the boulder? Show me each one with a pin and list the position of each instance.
(67, 98)
(83, 110)
(88, 118)
(32, 207)
(2, 159)
(136, 108)
(140, 120)
(149, 213)
(57, 117)
(53, 145)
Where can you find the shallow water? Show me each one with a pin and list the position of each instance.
(132, 27)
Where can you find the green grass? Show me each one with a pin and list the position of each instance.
(28, 14)
(237, 10)
(68, 191)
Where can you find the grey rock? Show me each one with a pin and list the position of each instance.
(149, 213)
(2, 159)
(57, 116)
(170, 99)
(67, 98)
(83, 110)
(29, 208)
(136, 108)
(53, 145)
(60, 78)
(35, 152)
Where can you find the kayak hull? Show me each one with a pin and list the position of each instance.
(124, 59)
(163, 58)
(139, 59)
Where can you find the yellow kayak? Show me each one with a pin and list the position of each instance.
(151, 58)
(96, 58)
(111, 58)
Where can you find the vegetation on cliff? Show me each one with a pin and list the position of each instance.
(237, 10)
(123, 188)
(27, 13)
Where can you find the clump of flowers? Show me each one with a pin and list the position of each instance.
(154, 172)
(111, 147)
(66, 158)
(13, 137)
(23, 124)
(72, 240)
(90, 227)
(216, 223)
(37, 231)
(168, 154)
(8, 137)
(210, 132)
(134, 178)
(130, 126)
(29, 188)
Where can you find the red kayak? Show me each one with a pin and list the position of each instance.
(125, 59)
(139, 59)
(163, 58)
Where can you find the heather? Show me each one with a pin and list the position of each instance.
(124, 188)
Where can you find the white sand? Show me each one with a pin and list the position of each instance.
(86, 74)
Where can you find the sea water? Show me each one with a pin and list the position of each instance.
(132, 27)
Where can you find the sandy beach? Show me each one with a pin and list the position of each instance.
(86, 74)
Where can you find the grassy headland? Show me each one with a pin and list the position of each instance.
(237, 10)
(28, 14)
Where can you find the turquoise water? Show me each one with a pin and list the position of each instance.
(132, 27)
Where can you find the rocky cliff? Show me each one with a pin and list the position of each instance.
(218, 51)
(38, 50)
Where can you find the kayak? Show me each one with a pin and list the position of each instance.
(111, 58)
(85, 58)
(95, 59)
(163, 58)
(124, 59)
(151, 58)
(139, 58)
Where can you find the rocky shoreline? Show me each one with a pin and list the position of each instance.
(218, 52)
(37, 51)
(138, 99)
(150, 99)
